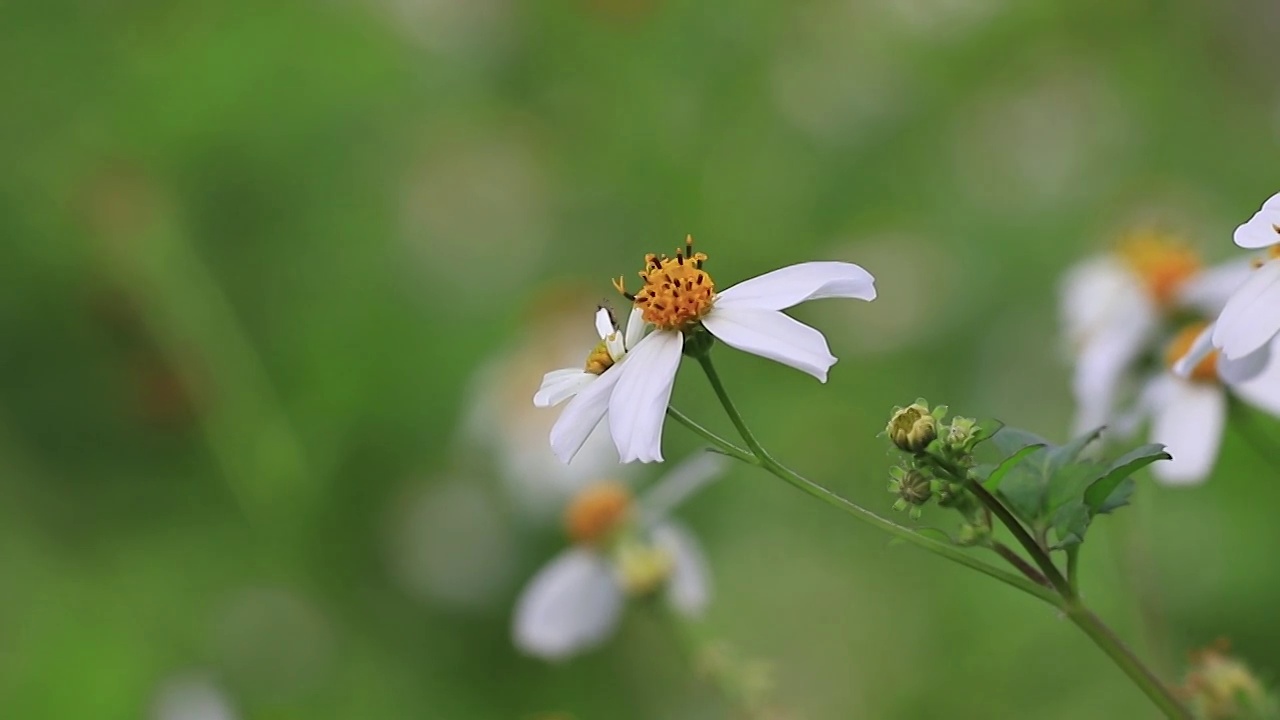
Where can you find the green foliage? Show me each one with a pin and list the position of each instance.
(1051, 487)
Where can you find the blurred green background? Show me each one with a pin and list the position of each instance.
(265, 264)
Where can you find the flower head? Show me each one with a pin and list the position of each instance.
(587, 388)
(1188, 412)
(1221, 687)
(679, 298)
(1251, 318)
(621, 547)
(1114, 307)
(913, 427)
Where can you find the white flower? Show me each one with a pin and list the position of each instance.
(1113, 307)
(506, 434)
(678, 295)
(622, 549)
(589, 387)
(1188, 414)
(1252, 315)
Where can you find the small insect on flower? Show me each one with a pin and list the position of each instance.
(622, 547)
(678, 297)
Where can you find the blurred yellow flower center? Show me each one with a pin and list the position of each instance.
(677, 292)
(1163, 263)
(1207, 370)
(599, 360)
(642, 568)
(1219, 687)
(597, 513)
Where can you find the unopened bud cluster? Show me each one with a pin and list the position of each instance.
(936, 451)
(1219, 686)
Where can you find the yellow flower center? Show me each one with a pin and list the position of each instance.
(597, 513)
(642, 568)
(1207, 369)
(1163, 263)
(599, 360)
(677, 292)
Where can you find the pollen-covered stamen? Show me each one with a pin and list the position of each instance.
(1163, 263)
(676, 291)
(597, 513)
(599, 359)
(1207, 369)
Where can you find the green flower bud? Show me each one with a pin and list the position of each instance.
(912, 428)
(961, 431)
(911, 486)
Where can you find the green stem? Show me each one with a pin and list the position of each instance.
(762, 458)
(1120, 653)
(1020, 533)
(718, 442)
(1073, 568)
(1016, 560)
(1062, 595)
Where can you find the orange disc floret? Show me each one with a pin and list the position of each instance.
(1207, 369)
(597, 513)
(676, 291)
(1162, 262)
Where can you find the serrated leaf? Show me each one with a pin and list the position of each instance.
(1099, 493)
(1063, 455)
(1009, 440)
(997, 475)
(984, 431)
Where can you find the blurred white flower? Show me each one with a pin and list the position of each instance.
(449, 543)
(192, 696)
(679, 296)
(1188, 414)
(588, 385)
(621, 548)
(1113, 308)
(1251, 317)
(511, 432)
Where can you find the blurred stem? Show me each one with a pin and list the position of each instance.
(1019, 562)
(1073, 568)
(762, 458)
(1061, 594)
(1266, 447)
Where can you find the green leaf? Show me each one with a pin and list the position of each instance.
(1060, 457)
(1069, 523)
(1098, 496)
(992, 481)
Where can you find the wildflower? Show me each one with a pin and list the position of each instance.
(1221, 687)
(1114, 306)
(679, 299)
(588, 388)
(622, 547)
(1251, 317)
(504, 433)
(1188, 414)
(913, 427)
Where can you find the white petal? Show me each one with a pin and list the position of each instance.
(680, 483)
(1261, 229)
(1101, 369)
(582, 414)
(1245, 368)
(560, 385)
(638, 405)
(1188, 418)
(1262, 390)
(1209, 291)
(689, 587)
(604, 323)
(571, 605)
(795, 284)
(1252, 316)
(1200, 349)
(635, 327)
(1097, 294)
(770, 334)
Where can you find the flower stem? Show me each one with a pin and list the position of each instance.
(762, 458)
(1023, 566)
(1060, 594)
